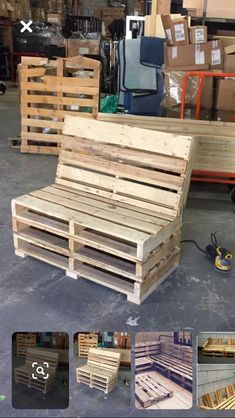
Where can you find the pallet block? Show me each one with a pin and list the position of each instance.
(85, 342)
(114, 214)
(49, 91)
(23, 342)
(24, 374)
(148, 390)
(101, 370)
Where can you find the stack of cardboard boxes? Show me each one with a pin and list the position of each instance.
(109, 14)
(187, 49)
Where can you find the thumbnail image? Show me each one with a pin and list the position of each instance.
(103, 367)
(216, 386)
(216, 348)
(163, 370)
(40, 370)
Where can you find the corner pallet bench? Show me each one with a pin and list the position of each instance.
(101, 370)
(23, 374)
(174, 369)
(148, 390)
(85, 342)
(23, 342)
(114, 214)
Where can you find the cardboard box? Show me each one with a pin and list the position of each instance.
(163, 7)
(225, 94)
(154, 27)
(210, 53)
(82, 47)
(173, 81)
(221, 9)
(198, 34)
(229, 59)
(196, 7)
(176, 30)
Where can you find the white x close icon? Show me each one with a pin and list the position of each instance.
(26, 26)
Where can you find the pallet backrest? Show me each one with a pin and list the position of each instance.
(148, 169)
(40, 356)
(183, 353)
(208, 400)
(104, 359)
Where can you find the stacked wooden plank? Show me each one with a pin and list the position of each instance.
(85, 342)
(215, 140)
(178, 351)
(143, 351)
(114, 214)
(49, 91)
(28, 375)
(143, 364)
(148, 390)
(23, 342)
(101, 370)
(219, 348)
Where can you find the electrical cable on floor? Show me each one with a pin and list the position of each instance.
(195, 243)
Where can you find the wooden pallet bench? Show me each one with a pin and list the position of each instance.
(147, 348)
(114, 214)
(143, 364)
(174, 369)
(101, 370)
(177, 351)
(219, 348)
(24, 374)
(49, 91)
(23, 342)
(148, 390)
(85, 342)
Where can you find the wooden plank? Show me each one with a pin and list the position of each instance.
(61, 88)
(131, 137)
(50, 99)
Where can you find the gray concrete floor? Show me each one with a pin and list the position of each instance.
(38, 297)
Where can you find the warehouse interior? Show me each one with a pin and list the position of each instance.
(99, 247)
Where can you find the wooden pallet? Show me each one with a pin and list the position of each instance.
(148, 390)
(23, 342)
(49, 91)
(101, 370)
(174, 369)
(143, 364)
(25, 374)
(177, 351)
(220, 399)
(85, 342)
(114, 214)
(219, 348)
(147, 348)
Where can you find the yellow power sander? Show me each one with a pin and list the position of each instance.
(221, 257)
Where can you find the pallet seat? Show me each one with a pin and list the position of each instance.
(219, 347)
(114, 214)
(27, 374)
(149, 390)
(101, 370)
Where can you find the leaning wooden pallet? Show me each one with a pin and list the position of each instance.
(51, 89)
(101, 370)
(85, 342)
(148, 390)
(114, 214)
(23, 342)
(27, 374)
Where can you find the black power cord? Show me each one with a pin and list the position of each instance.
(213, 242)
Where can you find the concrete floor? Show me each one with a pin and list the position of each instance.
(37, 297)
(181, 399)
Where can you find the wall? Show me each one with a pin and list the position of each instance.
(214, 376)
(203, 337)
